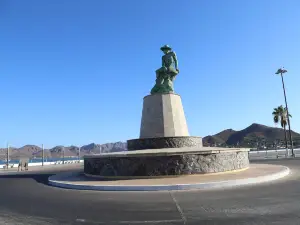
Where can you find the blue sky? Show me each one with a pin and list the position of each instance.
(75, 72)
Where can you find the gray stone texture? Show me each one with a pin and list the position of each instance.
(164, 142)
(163, 116)
(183, 164)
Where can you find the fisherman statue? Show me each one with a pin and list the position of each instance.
(166, 74)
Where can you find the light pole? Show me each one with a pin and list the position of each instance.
(43, 154)
(7, 156)
(281, 71)
(79, 154)
(63, 152)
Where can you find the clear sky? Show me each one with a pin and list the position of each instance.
(75, 72)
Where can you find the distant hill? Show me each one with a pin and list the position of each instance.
(108, 147)
(225, 134)
(60, 151)
(219, 138)
(249, 137)
(33, 151)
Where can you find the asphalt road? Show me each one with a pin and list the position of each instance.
(27, 199)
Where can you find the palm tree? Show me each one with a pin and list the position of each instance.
(282, 71)
(280, 115)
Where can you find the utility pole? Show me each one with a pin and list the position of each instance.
(63, 152)
(43, 154)
(7, 156)
(79, 154)
(281, 71)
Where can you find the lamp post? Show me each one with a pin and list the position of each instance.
(63, 152)
(7, 156)
(79, 154)
(43, 154)
(281, 71)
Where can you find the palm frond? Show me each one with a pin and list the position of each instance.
(280, 108)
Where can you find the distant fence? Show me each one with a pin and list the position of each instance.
(40, 160)
(277, 153)
(15, 163)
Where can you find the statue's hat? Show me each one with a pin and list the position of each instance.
(165, 47)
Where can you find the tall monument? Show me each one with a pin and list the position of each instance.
(164, 147)
(163, 123)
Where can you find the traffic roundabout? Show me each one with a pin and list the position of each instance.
(27, 198)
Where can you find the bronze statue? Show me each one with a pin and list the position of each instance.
(166, 74)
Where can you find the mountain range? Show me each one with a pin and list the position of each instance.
(33, 151)
(253, 136)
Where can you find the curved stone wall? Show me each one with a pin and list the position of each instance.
(164, 142)
(179, 164)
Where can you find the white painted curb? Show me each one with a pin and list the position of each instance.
(209, 185)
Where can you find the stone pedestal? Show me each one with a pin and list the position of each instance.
(166, 162)
(163, 125)
(163, 116)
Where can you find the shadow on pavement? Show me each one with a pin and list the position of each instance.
(40, 178)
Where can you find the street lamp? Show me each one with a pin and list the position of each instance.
(63, 152)
(43, 154)
(7, 156)
(79, 154)
(281, 71)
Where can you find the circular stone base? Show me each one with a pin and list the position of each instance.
(256, 173)
(165, 162)
(164, 142)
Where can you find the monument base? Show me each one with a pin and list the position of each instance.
(166, 162)
(163, 125)
(164, 142)
(163, 116)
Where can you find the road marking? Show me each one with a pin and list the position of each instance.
(150, 221)
(129, 221)
(178, 208)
